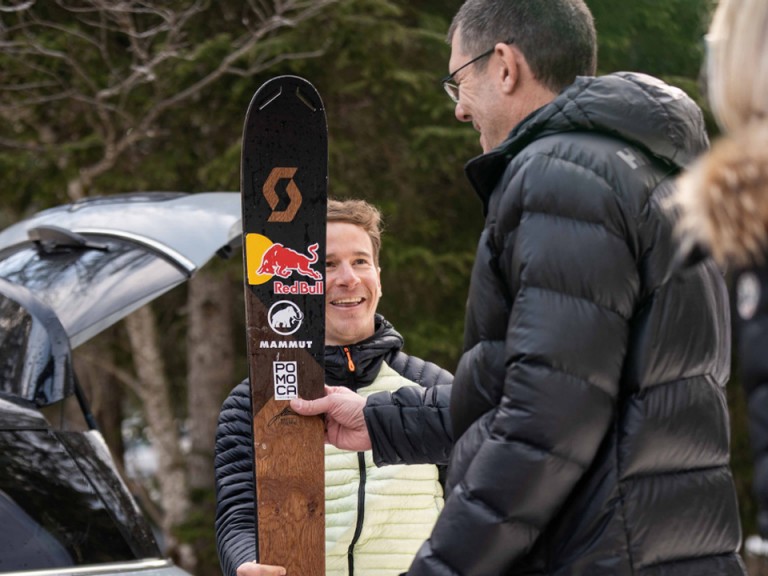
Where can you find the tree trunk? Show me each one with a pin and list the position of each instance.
(210, 374)
(210, 363)
(163, 430)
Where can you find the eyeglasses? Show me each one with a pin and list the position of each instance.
(450, 87)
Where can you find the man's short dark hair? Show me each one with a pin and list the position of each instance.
(557, 37)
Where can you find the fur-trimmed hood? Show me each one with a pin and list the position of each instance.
(724, 199)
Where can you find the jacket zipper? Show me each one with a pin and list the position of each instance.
(360, 513)
(360, 488)
(350, 363)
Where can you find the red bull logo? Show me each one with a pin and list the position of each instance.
(283, 262)
(265, 260)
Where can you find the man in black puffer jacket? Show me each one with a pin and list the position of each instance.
(588, 407)
(375, 519)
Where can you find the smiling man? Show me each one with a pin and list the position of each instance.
(376, 518)
(353, 284)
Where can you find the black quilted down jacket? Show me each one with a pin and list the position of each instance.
(235, 514)
(588, 407)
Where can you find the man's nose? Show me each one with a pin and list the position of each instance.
(461, 114)
(347, 276)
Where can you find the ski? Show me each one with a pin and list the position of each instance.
(284, 177)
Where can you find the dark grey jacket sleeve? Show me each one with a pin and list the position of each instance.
(412, 425)
(233, 465)
(752, 334)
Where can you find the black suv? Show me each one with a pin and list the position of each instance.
(66, 274)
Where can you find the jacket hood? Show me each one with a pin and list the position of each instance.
(637, 108)
(722, 199)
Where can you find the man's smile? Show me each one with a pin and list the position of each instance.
(347, 302)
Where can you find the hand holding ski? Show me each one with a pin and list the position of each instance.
(344, 421)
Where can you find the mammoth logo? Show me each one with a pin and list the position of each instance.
(284, 317)
(270, 193)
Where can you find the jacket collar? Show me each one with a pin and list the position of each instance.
(357, 365)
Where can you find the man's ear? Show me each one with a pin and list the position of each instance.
(381, 292)
(509, 67)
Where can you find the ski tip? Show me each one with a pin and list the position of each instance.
(287, 86)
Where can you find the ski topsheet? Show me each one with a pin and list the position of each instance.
(284, 176)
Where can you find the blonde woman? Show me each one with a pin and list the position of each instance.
(725, 205)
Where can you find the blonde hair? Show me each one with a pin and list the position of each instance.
(737, 63)
(723, 197)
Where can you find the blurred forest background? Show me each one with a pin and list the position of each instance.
(100, 97)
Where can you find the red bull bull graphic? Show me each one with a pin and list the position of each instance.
(283, 262)
(266, 260)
